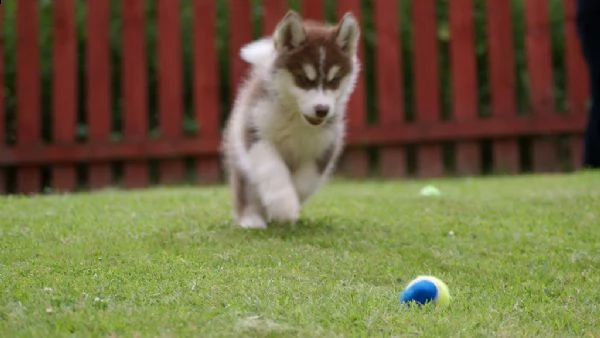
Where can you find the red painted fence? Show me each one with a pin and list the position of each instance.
(392, 146)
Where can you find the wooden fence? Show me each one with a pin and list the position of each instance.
(445, 131)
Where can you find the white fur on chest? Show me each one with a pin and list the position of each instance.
(296, 141)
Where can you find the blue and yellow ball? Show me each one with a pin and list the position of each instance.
(426, 289)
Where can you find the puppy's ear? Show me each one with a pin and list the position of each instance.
(289, 32)
(347, 33)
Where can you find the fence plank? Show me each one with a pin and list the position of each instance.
(462, 131)
(99, 152)
(3, 174)
(313, 9)
(135, 105)
(427, 87)
(388, 60)
(464, 81)
(206, 82)
(578, 90)
(539, 57)
(576, 150)
(390, 89)
(355, 161)
(98, 83)
(382, 135)
(539, 65)
(502, 80)
(577, 77)
(28, 91)
(274, 10)
(170, 85)
(208, 170)
(29, 153)
(240, 33)
(64, 88)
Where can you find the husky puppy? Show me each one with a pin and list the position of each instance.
(286, 129)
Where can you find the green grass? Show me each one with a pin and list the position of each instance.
(521, 256)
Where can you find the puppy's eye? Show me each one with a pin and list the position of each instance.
(335, 79)
(302, 77)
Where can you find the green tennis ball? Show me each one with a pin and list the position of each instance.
(426, 289)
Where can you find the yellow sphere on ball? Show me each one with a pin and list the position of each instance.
(426, 289)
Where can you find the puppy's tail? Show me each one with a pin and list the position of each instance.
(234, 142)
(258, 53)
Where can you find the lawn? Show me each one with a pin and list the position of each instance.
(521, 256)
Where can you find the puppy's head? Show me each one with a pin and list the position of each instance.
(316, 64)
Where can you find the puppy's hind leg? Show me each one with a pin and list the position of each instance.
(248, 211)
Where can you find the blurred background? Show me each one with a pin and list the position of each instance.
(99, 93)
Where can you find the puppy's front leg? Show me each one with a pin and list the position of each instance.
(310, 175)
(307, 180)
(274, 183)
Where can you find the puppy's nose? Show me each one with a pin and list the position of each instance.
(321, 110)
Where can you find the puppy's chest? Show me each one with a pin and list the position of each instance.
(298, 143)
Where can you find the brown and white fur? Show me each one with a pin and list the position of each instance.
(286, 129)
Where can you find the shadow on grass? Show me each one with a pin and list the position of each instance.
(323, 232)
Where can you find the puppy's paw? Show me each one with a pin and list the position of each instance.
(284, 209)
(252, 221)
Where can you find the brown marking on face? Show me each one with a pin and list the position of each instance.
(319, 45)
